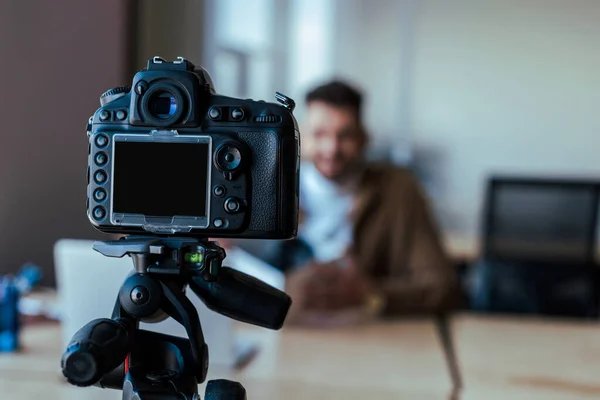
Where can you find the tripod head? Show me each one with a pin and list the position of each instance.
(114, 353)
(198, 262)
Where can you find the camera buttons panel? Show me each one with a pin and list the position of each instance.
(219, 191)
(228, 159)
(233, 205)
(121, 115)
(141, 87)
(268, 119)
(100, 177)
(99, 213)
(101, 140)
(214, 113)
(237, 114)
(99, 195)
(101, 159)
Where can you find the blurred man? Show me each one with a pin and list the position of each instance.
(372, 243)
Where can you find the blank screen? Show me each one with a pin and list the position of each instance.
(160, 179)
(545, 222)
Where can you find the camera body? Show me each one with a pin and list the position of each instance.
(169, 156)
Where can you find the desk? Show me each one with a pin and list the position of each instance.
(461, 247)
(468, 247)
(526, 358)
(384, 361)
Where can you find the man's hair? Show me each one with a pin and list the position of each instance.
(338, 94)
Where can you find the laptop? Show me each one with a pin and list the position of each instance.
(88, 284)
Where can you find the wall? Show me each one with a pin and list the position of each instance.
(372, 46)
(311, 47)
(466, 88)
(168, 29)
(58, 57)
(504, 86)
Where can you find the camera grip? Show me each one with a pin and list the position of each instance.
(244, 298)
(96, 349)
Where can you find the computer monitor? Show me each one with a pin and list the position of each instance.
(541, 220)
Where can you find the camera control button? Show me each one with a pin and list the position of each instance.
(99, 213)
(218, 223)
(232, 205)
(113, 94)
(121, 115)
(237, 114)
(101, 159)
(219, 191)
(100, 177)
(214, 113)
(269, 119)
(104, 115)
(101, 141)
(141, 87)
(99, 195)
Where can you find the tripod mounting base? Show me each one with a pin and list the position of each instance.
(114, 353)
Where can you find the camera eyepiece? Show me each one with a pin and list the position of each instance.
(162, 104)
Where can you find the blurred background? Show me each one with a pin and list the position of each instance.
(458, 90)
(493, 104)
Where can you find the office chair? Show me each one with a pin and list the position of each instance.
(539, 245)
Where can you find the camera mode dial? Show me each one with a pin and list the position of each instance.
(113, 94)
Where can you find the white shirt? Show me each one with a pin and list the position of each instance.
(326, 225)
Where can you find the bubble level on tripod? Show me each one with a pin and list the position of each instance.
(194, 257)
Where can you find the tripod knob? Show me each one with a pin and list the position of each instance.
(96, 349)
(244, 298)
(223, 389)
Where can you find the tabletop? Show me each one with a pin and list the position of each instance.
(499, 357)
(387, 360)
(527, 358)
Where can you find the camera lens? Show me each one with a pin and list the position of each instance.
(228, 158)
(162, 105)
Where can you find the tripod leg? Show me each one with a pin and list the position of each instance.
(222, 389)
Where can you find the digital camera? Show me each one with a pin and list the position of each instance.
(169, 156)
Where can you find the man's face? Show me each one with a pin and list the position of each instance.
(337, 139)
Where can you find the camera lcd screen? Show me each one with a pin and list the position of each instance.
(160, 179)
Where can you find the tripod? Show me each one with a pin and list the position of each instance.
(114, 353)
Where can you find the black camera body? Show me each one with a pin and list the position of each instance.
(169, 156)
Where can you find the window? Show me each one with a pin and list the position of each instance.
(254, 49)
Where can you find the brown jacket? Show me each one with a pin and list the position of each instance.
(397, 243)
